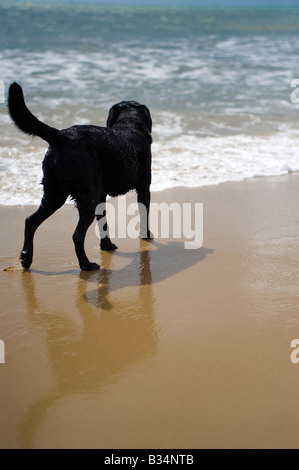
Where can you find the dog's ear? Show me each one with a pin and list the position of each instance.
(148, 118)
(113, 115)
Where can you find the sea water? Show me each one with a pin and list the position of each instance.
(220, 84)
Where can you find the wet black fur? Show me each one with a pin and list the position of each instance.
(88, 163)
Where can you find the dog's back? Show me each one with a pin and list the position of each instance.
(99, 157)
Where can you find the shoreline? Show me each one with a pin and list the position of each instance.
(164, 347)
(178, 188)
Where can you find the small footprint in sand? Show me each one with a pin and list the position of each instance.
(13, 268)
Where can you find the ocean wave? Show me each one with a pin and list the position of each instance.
(193, 161)
(188, 73)
(183, 160)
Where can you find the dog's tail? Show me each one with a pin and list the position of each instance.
(26, 121)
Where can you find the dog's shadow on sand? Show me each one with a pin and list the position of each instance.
(152, 263)
(118, 329)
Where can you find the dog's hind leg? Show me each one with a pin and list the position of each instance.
(106, 244)
(86, 217)
(47, 207)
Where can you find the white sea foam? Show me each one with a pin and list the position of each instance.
(20, 175)
(193, 161)
(183, 160)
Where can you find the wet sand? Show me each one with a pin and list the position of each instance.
(163, 347)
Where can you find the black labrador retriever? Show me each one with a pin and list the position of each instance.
(88, 163)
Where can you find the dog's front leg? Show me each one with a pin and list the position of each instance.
(106, 244)
(144, 199)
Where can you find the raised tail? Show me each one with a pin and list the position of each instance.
(26, 121)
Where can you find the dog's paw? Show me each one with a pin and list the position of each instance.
(107, 245)
(90, 267)
(26, 259)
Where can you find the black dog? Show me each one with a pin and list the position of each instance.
(88, 163)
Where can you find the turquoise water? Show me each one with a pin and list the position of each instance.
(217, 81)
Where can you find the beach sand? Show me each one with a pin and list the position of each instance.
(164, 347)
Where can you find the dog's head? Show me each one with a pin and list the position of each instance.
(130, 110)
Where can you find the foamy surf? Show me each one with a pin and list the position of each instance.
(185, 160)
